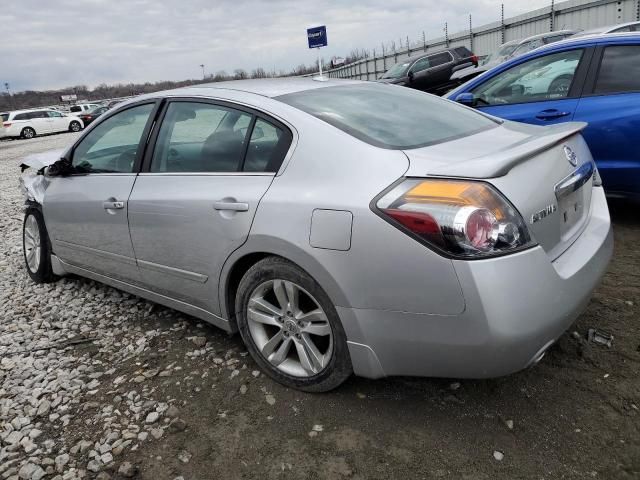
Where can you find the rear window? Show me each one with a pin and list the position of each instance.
(389, 116)
(75, 108)
(4, 117)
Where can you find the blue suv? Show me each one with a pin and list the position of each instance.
(588, 79)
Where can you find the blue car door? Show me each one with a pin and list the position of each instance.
(542, 90)
(611, 106)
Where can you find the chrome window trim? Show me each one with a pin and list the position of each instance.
(208, 174)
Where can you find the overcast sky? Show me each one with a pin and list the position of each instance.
(57, 43)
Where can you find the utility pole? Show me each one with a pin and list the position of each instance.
(202, 67)
(6, 85)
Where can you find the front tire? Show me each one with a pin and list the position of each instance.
(27, 132)
(36, 248)
(291, 328)
(75, 126)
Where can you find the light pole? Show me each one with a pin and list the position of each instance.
(202, 67)
(6, 85)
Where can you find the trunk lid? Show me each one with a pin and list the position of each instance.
(533, 167)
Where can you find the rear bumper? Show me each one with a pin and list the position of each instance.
(516, 307)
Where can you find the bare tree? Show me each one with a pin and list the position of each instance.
(240, 74)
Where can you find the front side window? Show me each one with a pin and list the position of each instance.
(112, 146)
(389, 116)
(421, 65)
(619, 70)
(543, 78)
(200, 137)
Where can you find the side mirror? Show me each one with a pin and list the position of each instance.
(466, 98)
(60, 168)
(410, 75)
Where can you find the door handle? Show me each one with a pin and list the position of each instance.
(113, 205)
(551, 114)
(231, 206)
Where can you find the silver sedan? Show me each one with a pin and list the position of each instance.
(340, 227)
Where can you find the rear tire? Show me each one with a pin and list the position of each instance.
(317, 333)
(75, 126)
(27, 132)
(36, 247)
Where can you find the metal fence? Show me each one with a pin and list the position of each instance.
(573, 14)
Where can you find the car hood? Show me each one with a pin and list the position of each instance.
(489, 154)
(38, 161)
(394, 81)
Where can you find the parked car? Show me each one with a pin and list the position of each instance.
(82, 108)
(91, 115)
(509, 50)
(29, 123)
(620, 28)
(339, 226)
(430, 72)
(588, 79)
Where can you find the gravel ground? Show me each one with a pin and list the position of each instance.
(96, 383)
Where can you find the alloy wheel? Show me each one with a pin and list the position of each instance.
(289, 328)
(32, 244)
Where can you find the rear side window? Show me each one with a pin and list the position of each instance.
(463, 52)
(440, 59)
(200, 137)
(267, 148)
(619, 70)
(389, 116)
(21, 116)
(75, 108)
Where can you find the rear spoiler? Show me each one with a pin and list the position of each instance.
(504, 161)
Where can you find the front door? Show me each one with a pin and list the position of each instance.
(195, 202)
(541, 91)
(86, 212)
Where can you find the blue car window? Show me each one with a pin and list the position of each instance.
(542, 78)
(619, 70)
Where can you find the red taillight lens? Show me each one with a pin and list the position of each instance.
(6, 124)
(474, 59)
(465, 219)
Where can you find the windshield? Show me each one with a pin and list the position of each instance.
(499, 55)
(397, 71)
(389, 116)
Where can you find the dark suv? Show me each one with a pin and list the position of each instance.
(430, 72)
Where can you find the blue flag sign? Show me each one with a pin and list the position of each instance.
(317, 36)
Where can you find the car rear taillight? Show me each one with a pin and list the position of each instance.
(474, 59)
(465, 219)
(6, 124)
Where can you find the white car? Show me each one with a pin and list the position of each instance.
(29, 123)
(83, 108)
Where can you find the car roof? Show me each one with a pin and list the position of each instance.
(266, 87)
(547, 34)
(588, 40)
(27, 110)
(607, 28)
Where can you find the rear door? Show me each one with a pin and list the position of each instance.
(86, 212)
(41, 122)
(194, 203)
(543, 90)
(58, 122)
(439, 71)
(611, 106)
